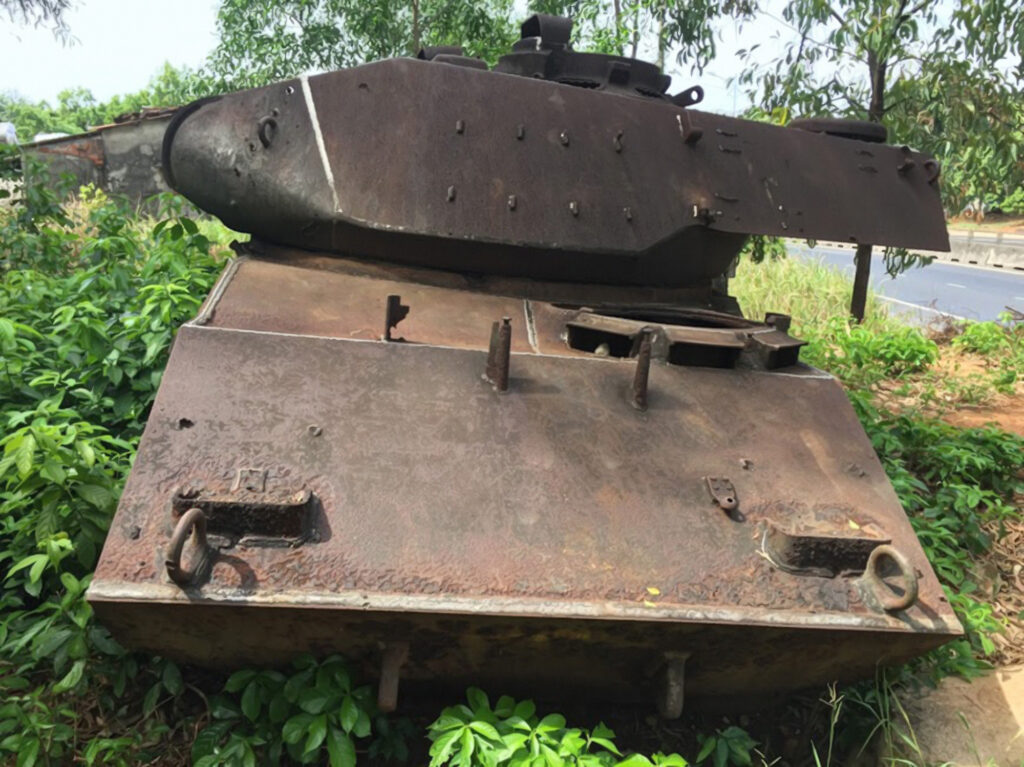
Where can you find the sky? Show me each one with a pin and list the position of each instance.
(118, 45)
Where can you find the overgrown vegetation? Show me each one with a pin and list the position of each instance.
(90, 297)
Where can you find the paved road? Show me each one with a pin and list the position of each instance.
(965, 292)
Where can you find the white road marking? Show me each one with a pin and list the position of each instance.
(923, 308)
(955, 285)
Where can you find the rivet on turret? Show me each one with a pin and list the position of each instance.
(628, 213)
(499, 354)
(511, 202)
(574, 207)
(451, 194)
(643, 370)
(460, 126)
(564, 137)
(617, 141)
(520, 131)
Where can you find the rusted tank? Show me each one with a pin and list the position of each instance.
(474, 407)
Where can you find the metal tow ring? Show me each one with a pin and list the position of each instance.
(193, 519)
(890, 601)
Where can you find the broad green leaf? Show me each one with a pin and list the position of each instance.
(341, 751)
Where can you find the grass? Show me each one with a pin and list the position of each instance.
(811, 292)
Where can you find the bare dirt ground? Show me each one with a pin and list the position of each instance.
(993, 222)
(1006, 412)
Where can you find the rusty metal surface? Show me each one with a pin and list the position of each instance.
(503, 174)
(442, 508)
(474, 405)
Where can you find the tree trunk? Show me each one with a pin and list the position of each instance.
(617, 9)
(636, 32)
(862, 261)
(861, 275)
(661, 39)
(416, 27)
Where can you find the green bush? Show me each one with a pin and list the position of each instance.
(89, 302)
(985, 338)
(90, 298)
(861, 356)
(513, 734)
(315, 709)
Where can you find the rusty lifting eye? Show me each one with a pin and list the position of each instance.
(932, 166)
(192, 520)
(266, 129)
(887, 598)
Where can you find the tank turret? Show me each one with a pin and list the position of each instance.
(472, 408)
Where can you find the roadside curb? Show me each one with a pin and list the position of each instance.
(1005, 252)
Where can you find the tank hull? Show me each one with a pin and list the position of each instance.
(365, 494)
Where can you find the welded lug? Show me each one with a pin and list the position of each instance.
(689, 97)
(499, 354)
(776, 348)
(671, 693)
(885, 563)
(690, 133)
(778, 320)
(723, 493)
(266, 129)
(393, 657)
(642, 373)
(396, 312)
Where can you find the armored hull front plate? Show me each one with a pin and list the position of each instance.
(361, 493)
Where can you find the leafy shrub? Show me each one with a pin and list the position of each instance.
(89, 302)
(985, 338)
(861, 356)
(315, 709)
(513, 734)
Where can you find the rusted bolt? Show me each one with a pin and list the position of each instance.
(451, 194)
(642, 373)
(460, 126)
(574, 207)
(520, 132)
(511, 202)
(628, 213)
(746, 463)
(499, 354)
(314, 430)
(564, 138)
(617, 141)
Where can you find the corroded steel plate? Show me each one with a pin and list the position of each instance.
(452, 167)
(522, 538)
